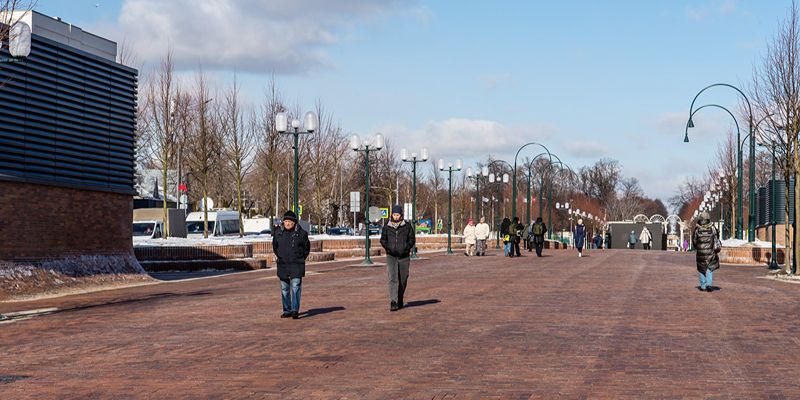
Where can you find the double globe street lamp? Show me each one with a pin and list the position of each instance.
(282, 126)
(479, 172)
(449, 168)
(414, 160)
(498, 181)
(366, 146)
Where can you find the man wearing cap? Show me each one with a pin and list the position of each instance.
(706, 242)
(470, 238)
(291, 247)
(397, 240)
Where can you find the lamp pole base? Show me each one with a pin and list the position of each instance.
(367, 261)
(773, 266)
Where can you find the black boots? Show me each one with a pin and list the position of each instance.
(393, 306)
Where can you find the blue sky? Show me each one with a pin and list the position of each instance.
(468, 79)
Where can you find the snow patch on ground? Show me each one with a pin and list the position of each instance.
(744, 243)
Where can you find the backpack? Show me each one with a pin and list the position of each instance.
(538, 229)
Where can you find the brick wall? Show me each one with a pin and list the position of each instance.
(45, 222)
(749, 255)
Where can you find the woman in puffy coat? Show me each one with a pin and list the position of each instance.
(706, 243)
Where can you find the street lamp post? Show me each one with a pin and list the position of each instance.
(482, 171)
(449, 168)
(414, 160)
(366, 147)
(310, 125)
(566, 206)
(514, 175)
(499, 181)
(752, 168)
(739, 172)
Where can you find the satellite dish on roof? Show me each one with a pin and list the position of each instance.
(210, 204)
(19, 39)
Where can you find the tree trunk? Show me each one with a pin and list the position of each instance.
(239, 197)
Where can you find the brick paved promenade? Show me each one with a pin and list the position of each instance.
(617, 324)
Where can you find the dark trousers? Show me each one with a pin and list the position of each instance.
(539, 246)
(515, 248)
(397, 269)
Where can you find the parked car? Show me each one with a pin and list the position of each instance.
(220, 223)
(147, 229)
(339, 230)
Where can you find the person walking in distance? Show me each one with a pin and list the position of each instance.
(470, 237)
(707, 245)
(504, 234)
(538, 229)
(397, 239)
(645, 238)
(580, 237)
(516, 236)
(632, 240)
(482, 232)
(291, 247)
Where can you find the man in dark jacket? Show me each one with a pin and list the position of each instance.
(291, 247)
(397, 240)
(537, 232)
(704, 238)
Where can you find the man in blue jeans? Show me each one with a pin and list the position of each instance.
(291, 247)
(707, 246)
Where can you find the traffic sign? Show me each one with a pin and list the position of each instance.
(384, 213)
(374, 214)
(355, 201)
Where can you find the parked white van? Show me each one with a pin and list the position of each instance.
(220, 223)
(258, 226)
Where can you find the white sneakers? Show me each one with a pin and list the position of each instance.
(580, 255)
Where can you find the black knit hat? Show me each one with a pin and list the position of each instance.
(397, 209)
(290, 215)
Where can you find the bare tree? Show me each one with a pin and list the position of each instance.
(776, 92)
(162, 129)
(204, 141)
(238, 144)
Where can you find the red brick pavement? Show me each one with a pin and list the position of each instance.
(616, 324)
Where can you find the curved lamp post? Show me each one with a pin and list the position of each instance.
(310, 125)
(496, 179)
(514, 175)
(367, 146)
(752, 169)
(773, 264)
(499, 181)
(479, 172)
(449, 168)
(739, 172)
(541, 181)
(414, 160)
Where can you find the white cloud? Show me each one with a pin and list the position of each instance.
(492, 81)
(586, 149)
(251, 35)
(467, 139)
(709, 123)
(710, 9)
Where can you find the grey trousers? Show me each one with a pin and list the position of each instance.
(398, 277)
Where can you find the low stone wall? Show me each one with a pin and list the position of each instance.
(749, 255)
(189, 253)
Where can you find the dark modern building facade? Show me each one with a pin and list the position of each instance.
(67, 125)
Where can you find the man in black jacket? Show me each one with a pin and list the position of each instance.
(705, 238)
(397, 240)
(291, 247)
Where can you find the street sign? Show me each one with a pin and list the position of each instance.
(384, 213)
(355, 201)
(299, 210)
(374, 214)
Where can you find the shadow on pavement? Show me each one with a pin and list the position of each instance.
(152, 297)
(319, 311)
(419, 303)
